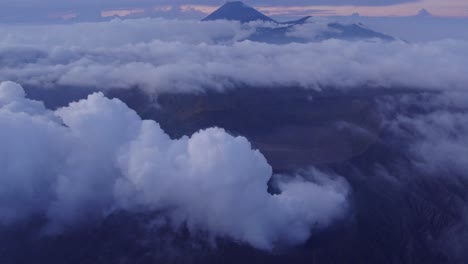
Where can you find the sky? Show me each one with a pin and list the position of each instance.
(33, 10)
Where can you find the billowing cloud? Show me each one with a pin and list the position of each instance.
(96, 156)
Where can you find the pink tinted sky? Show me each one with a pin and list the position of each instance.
(443, 8)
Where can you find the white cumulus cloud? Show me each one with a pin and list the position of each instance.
(83, 161)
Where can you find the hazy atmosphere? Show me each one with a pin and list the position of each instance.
(176, 8)
(153, 131)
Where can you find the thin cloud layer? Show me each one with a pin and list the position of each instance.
(82, 162)
(437, 135)
(179, 56)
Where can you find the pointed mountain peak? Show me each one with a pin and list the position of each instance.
(237, 11)
(424, 13)
(236, 3)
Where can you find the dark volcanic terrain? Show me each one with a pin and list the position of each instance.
(398, 215)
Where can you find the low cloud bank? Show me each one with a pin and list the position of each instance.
(96, 156)
(431, 131)
(415, 28)
(436, 134)
(180, 56)
(118, 32)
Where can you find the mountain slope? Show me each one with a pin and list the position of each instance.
(353, 31)
(297, 22)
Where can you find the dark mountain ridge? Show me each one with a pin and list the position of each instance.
(279, 34)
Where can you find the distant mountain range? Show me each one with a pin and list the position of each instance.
(285, 32)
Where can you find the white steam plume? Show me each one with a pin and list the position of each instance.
(83, 161)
